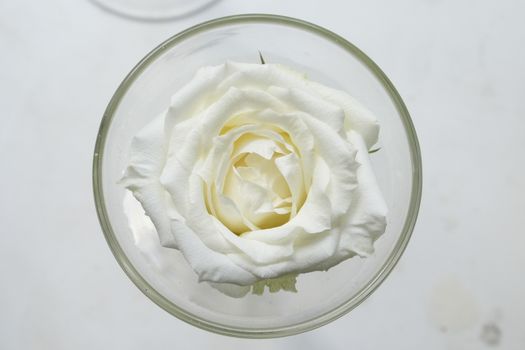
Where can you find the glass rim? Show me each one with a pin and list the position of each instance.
(270, 332)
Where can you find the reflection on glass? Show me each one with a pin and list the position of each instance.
(154, 9)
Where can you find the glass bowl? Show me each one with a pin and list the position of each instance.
(325, 57)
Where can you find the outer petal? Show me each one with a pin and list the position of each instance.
(358, 117)
(307, 255)
(311, 103)
(147, 157)
(366, 220)
(208, 264)
(235, 102)
(339, 155)
(195, 96)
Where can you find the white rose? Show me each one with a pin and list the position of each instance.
(255, 172)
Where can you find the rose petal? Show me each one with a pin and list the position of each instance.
(256, 251)
(357, 117)
(198, 218)
(193, 97)
(264, 147)
(290, 168)
(313, 218)
(366, 220)
(141, 177)
(207, 263)
(234, 102)
(339, 155)
(307, 256)
(328, 113)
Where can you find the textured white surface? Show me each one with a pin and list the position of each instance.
(460, 67)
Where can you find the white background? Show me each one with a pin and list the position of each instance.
(459, 65)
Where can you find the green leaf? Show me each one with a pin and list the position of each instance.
(261, 58)
(286, 283)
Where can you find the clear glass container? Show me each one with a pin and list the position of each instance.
(326, 58)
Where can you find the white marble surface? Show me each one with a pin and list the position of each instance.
(460, 66)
